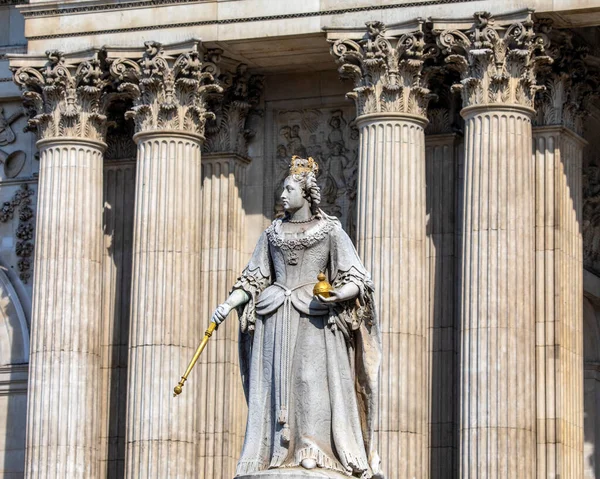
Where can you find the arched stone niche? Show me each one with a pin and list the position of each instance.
(14, 356)
(591, 348)
(14, 335)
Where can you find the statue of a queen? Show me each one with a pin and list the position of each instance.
(309, 363)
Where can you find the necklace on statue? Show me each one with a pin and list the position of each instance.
(302, 221)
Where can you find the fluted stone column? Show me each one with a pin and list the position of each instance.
(64, 368)
(558, 154)
(224, 163)
(496, 277)
(223, 407)
(442, 167)
(391, 227)
(169, 114)
(119, 196)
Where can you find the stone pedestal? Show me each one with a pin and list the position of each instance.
(558, 154)
(63, 404)
(496, 287)
(294, 474)
(391, 243)
(165, 328)
(221, 426)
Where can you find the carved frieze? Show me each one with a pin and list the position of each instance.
(230, 130)
(329, 136)
(387, 70)
(64, 100)
(497, 61)
(21, 203)
(168, 92)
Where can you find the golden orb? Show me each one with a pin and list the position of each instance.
(322, 287)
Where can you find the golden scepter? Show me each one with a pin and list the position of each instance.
(207, 334)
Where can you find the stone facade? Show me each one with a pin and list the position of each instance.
(143, 148)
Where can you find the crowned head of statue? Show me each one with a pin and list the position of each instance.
(300, 188)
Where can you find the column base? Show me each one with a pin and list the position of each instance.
(294, 473)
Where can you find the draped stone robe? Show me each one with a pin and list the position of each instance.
(309, 370)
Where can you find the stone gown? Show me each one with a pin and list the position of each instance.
(310, 371)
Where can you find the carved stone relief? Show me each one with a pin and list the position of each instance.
(21, 203)
(329, 136)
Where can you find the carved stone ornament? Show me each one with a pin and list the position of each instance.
(388, 71)
(169, 93)
(21, 202)
(569, 84)
(230, 131)
(497, 63)
(64, 100)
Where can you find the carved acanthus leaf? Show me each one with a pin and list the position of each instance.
(569, 85)
(65, 100)
(497, 64)
(169, 93)
(231, 131)
(387, 71)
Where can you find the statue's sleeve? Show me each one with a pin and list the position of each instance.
(346, 267)
(253, 280)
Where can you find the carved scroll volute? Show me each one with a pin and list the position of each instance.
(169, 93)
(497, 63)
(388, 72)
(65, 100)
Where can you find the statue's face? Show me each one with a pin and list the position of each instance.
(292, 196)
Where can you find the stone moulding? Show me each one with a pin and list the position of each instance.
(497, 58)
(387, 68)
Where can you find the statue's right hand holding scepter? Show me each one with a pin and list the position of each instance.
(238, 297)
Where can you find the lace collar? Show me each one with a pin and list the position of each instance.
(311, 236)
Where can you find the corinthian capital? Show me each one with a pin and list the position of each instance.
(65, 100)
(169, 92)
(569, 84)
(497, 59)
(231, 131)
(387, 69)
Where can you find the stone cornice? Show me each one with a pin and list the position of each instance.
(31, 11)
(387, 70)
(168, 92)
(65, 100)
(498, 59)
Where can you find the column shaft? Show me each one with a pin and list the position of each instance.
(496, 291)
(222, 406)
(63, 404)
(391, 242)
(441, 155)
(558, 302)
(165, 329)
(119, 197)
